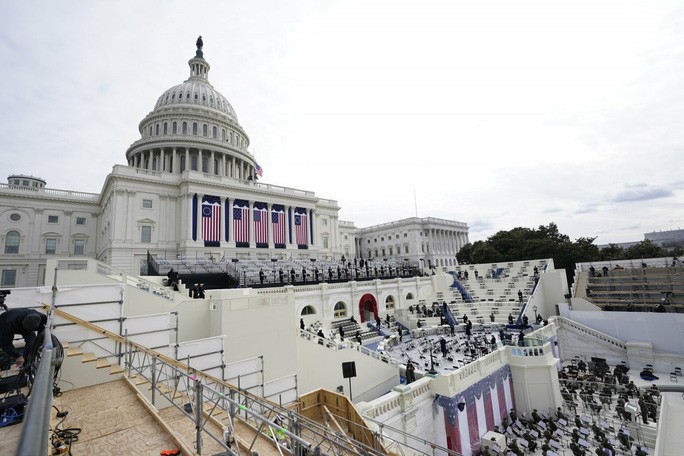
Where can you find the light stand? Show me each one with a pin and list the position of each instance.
(432, 370)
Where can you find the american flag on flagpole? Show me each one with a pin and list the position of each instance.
(259, 170)
(260, 224)
(300, 229)
(278, 225)
(211, 220)
(241, 221)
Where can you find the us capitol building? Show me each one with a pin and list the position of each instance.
(190, 189)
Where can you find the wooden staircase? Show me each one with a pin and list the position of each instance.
(174, 421)
(87, 357)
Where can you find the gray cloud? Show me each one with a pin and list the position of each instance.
(641, 193)
(636, 226)
(587, 208)
(552, 210)
(478, 226)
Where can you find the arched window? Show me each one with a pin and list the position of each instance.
(175, 128)
(194, 128)
(389, 302)
(156, 130)
(409, 296)
(340, 310)
(213, 132)
(204, 130)
(12, 240)
(166, 128)
(308, 310)
(185, 128)
(223, 134)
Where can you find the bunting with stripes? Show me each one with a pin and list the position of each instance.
(278, 225)
(260, 217)
(211, 221)
(241, 223)
(301, 231)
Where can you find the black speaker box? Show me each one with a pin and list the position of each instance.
(12, 383)
(18, 401)
(349, 369)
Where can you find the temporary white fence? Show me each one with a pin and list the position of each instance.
(247, 374)
(203, 354)
(282, 390)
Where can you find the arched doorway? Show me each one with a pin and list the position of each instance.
(368, 307)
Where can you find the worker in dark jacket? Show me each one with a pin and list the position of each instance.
(24, 322)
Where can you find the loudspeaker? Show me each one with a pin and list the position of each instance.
(12, 383)
(349, 369)
(17, 402)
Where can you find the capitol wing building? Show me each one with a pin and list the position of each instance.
(190, 189)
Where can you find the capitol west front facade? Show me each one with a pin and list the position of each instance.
(190, 189)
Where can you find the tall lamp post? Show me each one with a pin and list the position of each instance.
(432, 370)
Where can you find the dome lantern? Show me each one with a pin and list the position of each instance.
(199, 68)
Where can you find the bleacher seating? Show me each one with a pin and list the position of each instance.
(494, 289)
(652, 284)
(351, 327)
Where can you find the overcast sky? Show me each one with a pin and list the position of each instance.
(497, 114)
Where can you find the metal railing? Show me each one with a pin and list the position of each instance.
(35, 433)
(180, 384)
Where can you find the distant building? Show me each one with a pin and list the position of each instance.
(432, 242)
(667, 238)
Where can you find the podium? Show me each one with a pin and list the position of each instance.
(493, 441)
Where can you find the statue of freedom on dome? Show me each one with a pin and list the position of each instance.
(199, 44)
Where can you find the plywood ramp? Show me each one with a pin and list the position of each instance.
(112, 421)
(184, 429)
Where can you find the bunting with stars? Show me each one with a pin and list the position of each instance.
(476, 410)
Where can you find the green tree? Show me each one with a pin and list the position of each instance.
(645, 249)
(465, 255)
(612, 252)
(484, 252)
(675, 252)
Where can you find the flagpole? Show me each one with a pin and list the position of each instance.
(415, 201)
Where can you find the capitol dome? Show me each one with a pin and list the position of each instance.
(195, 92)
(193, 127)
